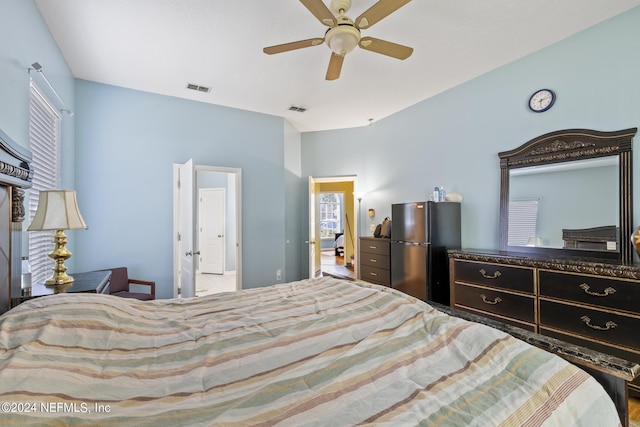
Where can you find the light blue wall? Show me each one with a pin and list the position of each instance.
(119, 148)
(294, 222)
(127, 142)
(25, 39)
(452, 139)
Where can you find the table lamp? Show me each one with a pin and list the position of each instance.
(58, 210)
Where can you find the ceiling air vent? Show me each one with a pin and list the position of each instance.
(198, 88)
(298, 109)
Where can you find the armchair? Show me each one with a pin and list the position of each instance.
(120, 285)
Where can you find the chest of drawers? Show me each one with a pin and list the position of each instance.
(592, 304)
(375, 260)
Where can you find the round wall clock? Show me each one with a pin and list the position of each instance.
(542, 100)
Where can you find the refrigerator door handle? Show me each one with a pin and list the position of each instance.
(400, 242)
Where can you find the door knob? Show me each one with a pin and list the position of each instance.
(220, 235)
(192, 253)
(310, 242)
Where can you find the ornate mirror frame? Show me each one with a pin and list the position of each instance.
(16, 175)
(569, 145)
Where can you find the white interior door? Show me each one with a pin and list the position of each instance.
(186, 268)
(211, 229)
(313, 242)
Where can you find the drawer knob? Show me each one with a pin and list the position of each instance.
(487, 276)
(607, 291)
(606, 327)
(494, 302)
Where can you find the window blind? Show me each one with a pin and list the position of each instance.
(523, 222)
(44, 143)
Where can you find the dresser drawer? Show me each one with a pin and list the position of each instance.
(375, 260)
(494, 275)
(596, 324)
(375, 246)
(600, 291)
(516, 306)
(375, 275)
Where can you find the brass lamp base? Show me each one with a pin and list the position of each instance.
(60, 280)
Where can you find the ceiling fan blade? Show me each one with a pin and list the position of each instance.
(379, 11)
(384, 47)
(320, 11)
(292, 46)
(335, 66)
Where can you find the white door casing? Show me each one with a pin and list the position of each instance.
(315, 267)
(211, 229)
(178, 254)
(186, 230)
(314, 213)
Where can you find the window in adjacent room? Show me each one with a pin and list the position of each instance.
(330, 214)
(44, 143)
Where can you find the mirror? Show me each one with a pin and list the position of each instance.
(568, 193)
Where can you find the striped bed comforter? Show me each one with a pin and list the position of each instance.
(315, 352)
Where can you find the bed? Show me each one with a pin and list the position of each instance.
(338, 244)
(315, 352)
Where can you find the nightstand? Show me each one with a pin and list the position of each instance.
(89, 282)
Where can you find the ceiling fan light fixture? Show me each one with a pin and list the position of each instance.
(342, 39)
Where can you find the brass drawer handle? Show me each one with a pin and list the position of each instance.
(607, 291)
(373, 274)
(486, 276)
(373, 247)
(494, 302)
(373, 260)
(606, 327)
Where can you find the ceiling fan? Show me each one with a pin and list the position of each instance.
(343, 34)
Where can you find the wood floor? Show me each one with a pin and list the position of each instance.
(634, 409)
(334, 265)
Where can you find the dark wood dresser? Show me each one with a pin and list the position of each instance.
(375, 260)
(583, 302)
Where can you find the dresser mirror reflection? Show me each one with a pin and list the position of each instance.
(568, 193)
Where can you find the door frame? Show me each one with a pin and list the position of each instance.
(237, 172)
(356, 226)
(183, 178)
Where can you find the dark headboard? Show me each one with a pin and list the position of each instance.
(15, 175)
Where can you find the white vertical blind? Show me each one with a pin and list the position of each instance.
(44, 143)
(523, 221)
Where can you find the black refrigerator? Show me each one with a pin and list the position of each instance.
(421, 234)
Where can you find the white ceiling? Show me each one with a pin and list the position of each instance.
(161, 45)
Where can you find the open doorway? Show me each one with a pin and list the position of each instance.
(334, 221)
(211, 236)
(215, 231)
(332, 227)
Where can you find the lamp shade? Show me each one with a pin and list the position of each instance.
(57, 210)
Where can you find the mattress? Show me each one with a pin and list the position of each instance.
(315, 352)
